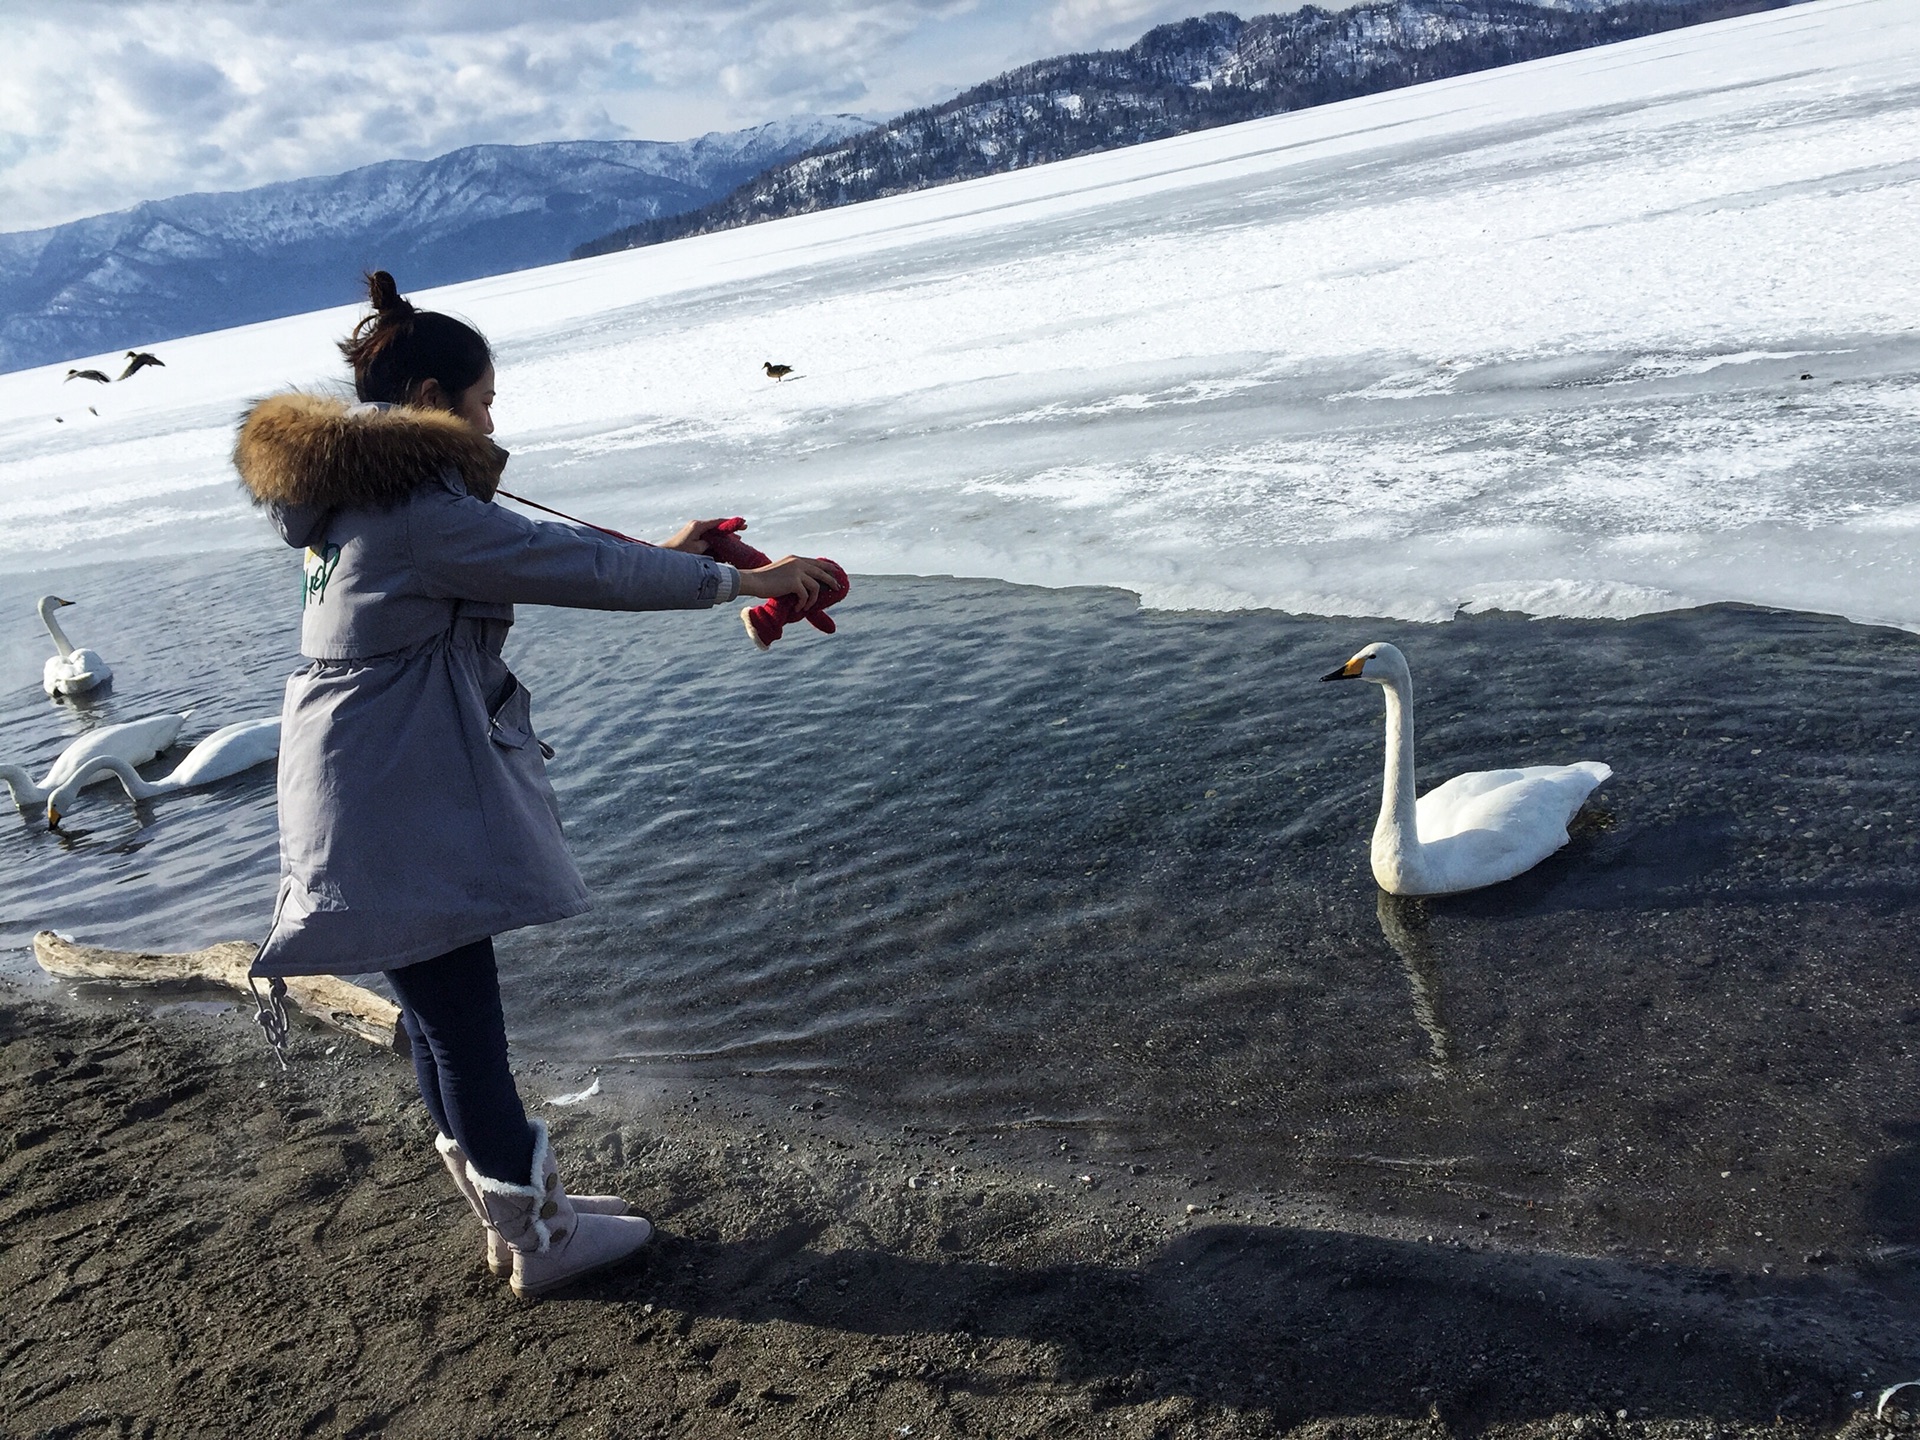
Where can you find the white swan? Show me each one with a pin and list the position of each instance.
(1476, 829)
(227, 751)
(71, 672)
(135, 741)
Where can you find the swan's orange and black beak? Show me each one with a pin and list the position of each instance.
(1349, 671)
(53, 818)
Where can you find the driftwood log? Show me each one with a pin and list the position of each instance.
(330, 1001)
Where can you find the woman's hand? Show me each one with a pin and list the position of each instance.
(688, 537)
(791, 576)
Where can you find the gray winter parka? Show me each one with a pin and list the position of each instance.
(415, 813)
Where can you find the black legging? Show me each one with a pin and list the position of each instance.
(451, 1008)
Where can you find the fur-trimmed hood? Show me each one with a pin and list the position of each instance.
(315, 453)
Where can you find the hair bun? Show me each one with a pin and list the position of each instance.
(384, 295)
(396, 348)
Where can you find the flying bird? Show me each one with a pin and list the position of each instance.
(87, 375)
(139, 360)
(776, 372)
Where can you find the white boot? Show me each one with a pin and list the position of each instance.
(499, 1255)
(552, 1240)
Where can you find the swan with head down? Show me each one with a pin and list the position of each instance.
(1474, 830)
(227, 751)
(134, 741)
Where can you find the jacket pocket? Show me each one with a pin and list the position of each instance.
(510, 723)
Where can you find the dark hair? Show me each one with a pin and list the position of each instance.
(396, 347)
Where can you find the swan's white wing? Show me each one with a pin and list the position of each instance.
(1474, 859)
(75, 673)
(58, 675)
(228, 751)
(1488, 826)
(1483, 799)
(134, 741)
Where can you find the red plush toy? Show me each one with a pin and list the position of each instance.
(766, 620)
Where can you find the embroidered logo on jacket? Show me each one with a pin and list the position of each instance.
(319, 570)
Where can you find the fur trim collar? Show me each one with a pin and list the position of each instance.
(300, 449)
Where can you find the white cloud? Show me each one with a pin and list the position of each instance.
(1098, 24)
(108, 102)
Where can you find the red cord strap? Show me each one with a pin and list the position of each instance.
(632, 540)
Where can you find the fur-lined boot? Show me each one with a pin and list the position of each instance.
(499, 1255)
(552, 1241)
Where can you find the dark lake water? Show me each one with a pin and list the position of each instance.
(1011, 862)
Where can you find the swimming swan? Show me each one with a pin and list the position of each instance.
(227, 751)
(71, 672)
(135, 741)
(1476, 829)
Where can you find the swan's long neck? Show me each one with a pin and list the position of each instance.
(130, 779)
(60, 641)
(1396, 832)
(21, 785)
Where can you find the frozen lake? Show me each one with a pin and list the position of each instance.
(1604, 334)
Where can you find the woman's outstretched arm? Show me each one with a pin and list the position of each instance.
(466, 549)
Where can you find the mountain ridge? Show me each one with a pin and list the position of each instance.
(208, 260)
(1192, 74)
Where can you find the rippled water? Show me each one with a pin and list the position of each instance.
(1007, 861)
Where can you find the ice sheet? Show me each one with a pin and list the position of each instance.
(1531, 339)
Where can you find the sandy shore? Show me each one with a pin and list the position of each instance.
(192, 1243)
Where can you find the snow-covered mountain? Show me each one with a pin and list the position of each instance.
(1191, 75)
(203, 262)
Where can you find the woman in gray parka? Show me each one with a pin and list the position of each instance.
(416, 821)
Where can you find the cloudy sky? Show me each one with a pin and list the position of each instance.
(109, 102)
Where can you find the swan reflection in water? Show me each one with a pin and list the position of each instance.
(1403, 920)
